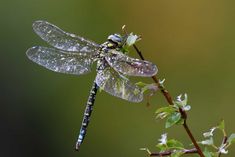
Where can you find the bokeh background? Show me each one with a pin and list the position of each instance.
(192, 42)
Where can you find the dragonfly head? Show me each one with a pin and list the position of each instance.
(116, 39)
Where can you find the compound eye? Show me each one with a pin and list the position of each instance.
(115, 38)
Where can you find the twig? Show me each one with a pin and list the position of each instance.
(167, 153)
(170, 101)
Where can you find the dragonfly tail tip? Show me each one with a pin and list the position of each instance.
(77, 147)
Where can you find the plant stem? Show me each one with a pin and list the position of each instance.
(192, 139)
(167, 153)
(170, 101)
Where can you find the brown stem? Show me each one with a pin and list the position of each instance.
(192, 139)
(168, 153)
(170, 101)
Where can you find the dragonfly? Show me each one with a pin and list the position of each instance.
(73, 54)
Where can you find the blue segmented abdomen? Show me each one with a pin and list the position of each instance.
(87, 114)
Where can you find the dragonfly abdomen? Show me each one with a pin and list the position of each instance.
(87, 114)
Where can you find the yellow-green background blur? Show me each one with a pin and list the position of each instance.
(191, 41)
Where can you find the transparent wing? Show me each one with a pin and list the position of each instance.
(63, 40)
(117, 85)
(130, 66)
(60, 61)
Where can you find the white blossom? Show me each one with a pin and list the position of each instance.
(222, 149)
(131, 39)
(210, 133)
(186, 108)
(163, 139)
(208, 142)
(179, 98)
(162, 81)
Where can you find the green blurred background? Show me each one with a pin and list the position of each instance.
(192, 42)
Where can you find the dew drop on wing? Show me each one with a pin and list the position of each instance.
(84, 49)
(68, 68)
(56, 69)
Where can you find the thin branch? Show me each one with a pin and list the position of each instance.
(168, 153)
(192, 139)
(170, 101)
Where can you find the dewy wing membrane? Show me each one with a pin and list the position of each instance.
(60, 39)
(117, 85)
(60, 61)
(130, 66)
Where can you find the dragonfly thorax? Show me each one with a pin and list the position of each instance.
(115, 41)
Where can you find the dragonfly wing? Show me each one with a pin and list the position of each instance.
(60, 61)
(63, 40)
(117, 85)
(130, 66)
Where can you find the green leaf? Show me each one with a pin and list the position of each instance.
(231, 138)
(180, 122)
(174, 144)
(164, 112)
(221, 125)
(162, 115)
(214, 154)
(162, 147)
(207, 153)
(168, 109)
(124, 49)
(173, 119)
